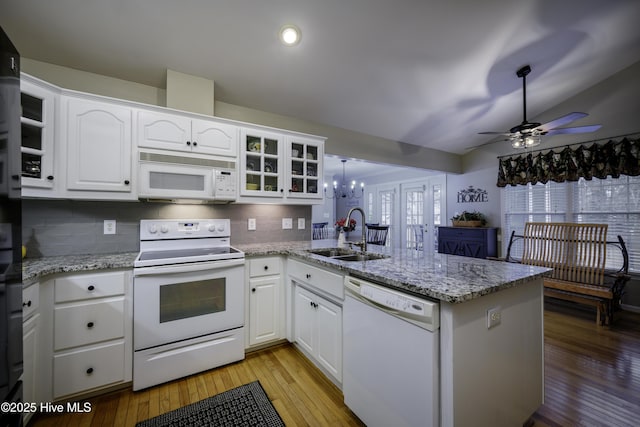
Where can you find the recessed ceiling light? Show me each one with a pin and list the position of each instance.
(290, 35)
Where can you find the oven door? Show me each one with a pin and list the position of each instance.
(178, 302)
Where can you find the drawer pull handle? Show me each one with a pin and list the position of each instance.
(89, 371)
(91, 288)
(308, 276)
(90, 325)
(27, 304)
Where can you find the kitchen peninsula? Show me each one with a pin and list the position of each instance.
(488, 375)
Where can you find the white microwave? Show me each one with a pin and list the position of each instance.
(171, 177)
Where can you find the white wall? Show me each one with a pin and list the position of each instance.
(484, 179)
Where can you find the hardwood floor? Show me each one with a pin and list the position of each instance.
(301, 394)
(592, 374)
(592, 378)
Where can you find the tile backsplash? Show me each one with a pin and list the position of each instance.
(69, 227)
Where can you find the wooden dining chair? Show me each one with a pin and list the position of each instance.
(320, 230)
(377, 234)
(418, 236)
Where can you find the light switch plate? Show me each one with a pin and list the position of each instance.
(251, 224)
(287, 223)
(300, 223)
(109, 226)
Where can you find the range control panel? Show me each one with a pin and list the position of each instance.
(158, 229)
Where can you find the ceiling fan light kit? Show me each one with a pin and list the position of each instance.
(529, 134)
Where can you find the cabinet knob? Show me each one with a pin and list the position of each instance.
(91, 288)
(50, 177)
(90, 325)
(266, 267)
(126, 182)
(89, 371)
(188, 142)
(27, 304)
(308, 276)
(195, 143)
(253, 290)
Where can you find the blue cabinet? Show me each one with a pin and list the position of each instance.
(476, 242)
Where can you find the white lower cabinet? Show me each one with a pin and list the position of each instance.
(316, 325)
(318, 330)
(266, 301)
(92, 332)
(31, 388)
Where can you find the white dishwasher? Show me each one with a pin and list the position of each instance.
(391, 356)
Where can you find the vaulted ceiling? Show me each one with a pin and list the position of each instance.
(424, 72)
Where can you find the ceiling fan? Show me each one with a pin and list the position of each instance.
(527, 134)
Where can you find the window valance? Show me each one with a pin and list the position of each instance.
(613, 158)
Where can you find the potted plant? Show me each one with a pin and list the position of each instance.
(469, 219)
(341, 224)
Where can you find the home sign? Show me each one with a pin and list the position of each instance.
(472, 195)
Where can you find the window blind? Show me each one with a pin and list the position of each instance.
(613, 201)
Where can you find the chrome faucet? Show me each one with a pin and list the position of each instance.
(363, 243)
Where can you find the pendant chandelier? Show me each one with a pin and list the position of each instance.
(344, 190)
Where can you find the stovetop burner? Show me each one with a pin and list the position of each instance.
(171, 242)
(187, 253)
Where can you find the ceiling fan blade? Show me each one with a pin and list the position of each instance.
(579, 129)
(561, 121)
(494, 133)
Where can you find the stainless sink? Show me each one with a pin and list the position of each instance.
(347, 255)
(360, 257)
(330, 253)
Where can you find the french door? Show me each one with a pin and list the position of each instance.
(423, 208)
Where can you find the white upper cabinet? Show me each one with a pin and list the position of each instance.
(261, 163)
(304, 167)
(281, 166)
(99, 150)
(38, 142)
(182, 133)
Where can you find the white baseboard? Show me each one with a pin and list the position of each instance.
(628, 307)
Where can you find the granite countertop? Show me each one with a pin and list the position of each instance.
(36, 268)
(449, 278)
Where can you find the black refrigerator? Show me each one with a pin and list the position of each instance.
(10, 235)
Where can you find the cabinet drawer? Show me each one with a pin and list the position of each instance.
(466, 233)
(85, 369)
(86, 286)
(264, 266)
(30, 300)
(87, 323)
(324, 280)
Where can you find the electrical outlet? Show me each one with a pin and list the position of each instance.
(494, 317)
(251, 224)
(109, 226)
(300, 223)
(287, 223)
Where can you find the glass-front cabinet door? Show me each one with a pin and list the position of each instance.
(261, 164)
(37, 123)
(304, 173)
